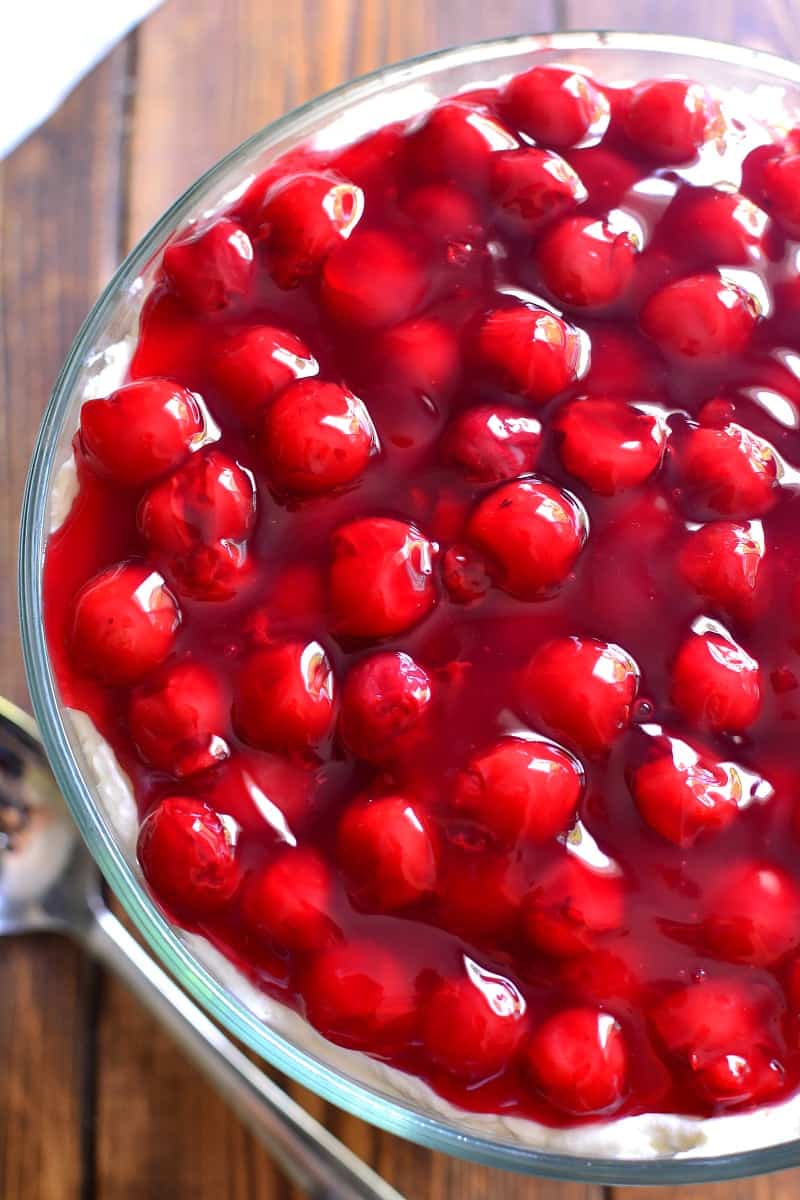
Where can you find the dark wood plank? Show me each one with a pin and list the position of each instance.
(161, 1130)
(771, 25)
(58, 240)
(784, 1186)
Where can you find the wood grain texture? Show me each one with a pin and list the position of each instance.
(784, 1186)
(58, 243)
(206, 73)
(770, 25)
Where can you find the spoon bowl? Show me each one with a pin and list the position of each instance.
(50, 884)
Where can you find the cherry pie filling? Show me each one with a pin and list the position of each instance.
(434, 579)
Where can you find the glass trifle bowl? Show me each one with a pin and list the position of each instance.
(758, 92)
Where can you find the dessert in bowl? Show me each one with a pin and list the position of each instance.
(420, 603)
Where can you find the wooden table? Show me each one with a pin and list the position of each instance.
(95, 1103)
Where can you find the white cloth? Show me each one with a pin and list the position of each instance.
(46, 46)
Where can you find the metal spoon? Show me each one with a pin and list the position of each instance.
(49, 883)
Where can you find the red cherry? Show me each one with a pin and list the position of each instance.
(177, 719)
(754, 915)
(607, 176)
(579, 1061)
(721, 226)
(533, 531)
(288, 901)
(304, 217)
(520, 789)
(609, 444)
(216, 571)
(212, 266)
(742, 1078)
(715, 683)
(555, 106)
(710, 1017)
(316, 436)
(454, 143)
(721, 561)
(443, 211)
(669, 119)
(381, 577)
(586, 262)
(479, 896)
(141, 431)
(532, 352)
(249, 208)
(728, 471)
(703, 317)
(388, 852)
(360, 995)
(373, 280)
(493, 442)
(753, 164)
(385, 700)
(421, 355)
(365, 161)
(715, 1027)
(601, 975)
(188, 857)
(264, 793)
(530, 187)
(583, 688)
(781, 189)
(208, 499)
(681, 795)
(284, 696)
(124, 623)
(570, 906)
(472, 1027)
(253, 365)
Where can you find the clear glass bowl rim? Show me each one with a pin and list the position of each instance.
(391, 1115)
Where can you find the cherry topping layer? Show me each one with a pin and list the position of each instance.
(433, 577)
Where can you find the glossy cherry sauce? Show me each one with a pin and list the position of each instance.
(625, 588)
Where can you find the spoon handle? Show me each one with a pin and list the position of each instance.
(316, 1160)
